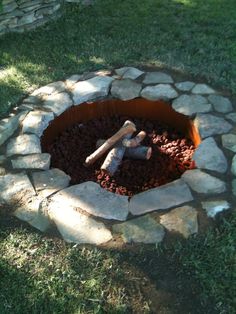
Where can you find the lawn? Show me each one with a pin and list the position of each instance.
(42, 274)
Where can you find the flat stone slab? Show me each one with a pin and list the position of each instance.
(140, 230)
(231, 116)
(24, 145)
(202, 182)
(52, 88)
(32, 213)
(214, 207)
(163, 197)
(182, 220)
(209, 125)
(125, 89)
(95, 87)
(157, 77)
(70, 82)
(233, 166)
(49, 182)
(209, 156)
(129, 72)
(229, 142)
(160, 91)
(2, 159)
(220, 103)
(58, 103)
(202, 89)
(36, 122)
(15, 188)
(185, 86)
(33, 161)
(93, 199)
(9, 125)
(190, 104)
(78, 228)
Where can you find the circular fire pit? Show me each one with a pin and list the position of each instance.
(84, 212)
(72, 137)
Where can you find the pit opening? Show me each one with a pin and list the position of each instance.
(72, 136)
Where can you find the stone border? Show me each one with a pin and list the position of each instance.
(43, 197)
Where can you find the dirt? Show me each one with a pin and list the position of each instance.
(171, 155)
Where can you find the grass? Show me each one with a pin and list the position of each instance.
(191, 36)
(42, 274)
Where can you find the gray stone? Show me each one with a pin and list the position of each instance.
(49, 182)
(26, 19)
(78, 228)
(214, 207)
(190, 104)
(129, 72)
(202, 89)
(209, 124)
(36, 100)
(15, 188)
(58, 103)
(202, 182)
(2, 171)
(36, 122)
(229, 142)
(125, 89)
(209, 156)
(33, 161)
(231, 116)
(140, 230)
(163, 197)
(24, 145)
(185, 86)
(9, 125)
(220, 103)
(233, 167)
(2, 159)
(182, 220)
(52, 88)
(234, 187)
(95, 87)
(160, 91)
(157, 77)
(93, 199)
(32, 213)
(70, 82)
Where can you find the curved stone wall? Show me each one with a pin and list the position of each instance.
(23, 15)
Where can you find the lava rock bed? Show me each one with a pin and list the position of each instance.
(171, 155)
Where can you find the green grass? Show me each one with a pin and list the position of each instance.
(192, 36)
(42, 274)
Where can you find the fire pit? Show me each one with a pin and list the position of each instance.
(165, 193)
(166, 151)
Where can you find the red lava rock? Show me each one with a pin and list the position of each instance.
(171, 156)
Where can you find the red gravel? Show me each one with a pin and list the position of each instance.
(171, 155)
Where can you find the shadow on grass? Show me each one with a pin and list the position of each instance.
(191, 36)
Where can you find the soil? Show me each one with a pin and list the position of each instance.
(171, 155)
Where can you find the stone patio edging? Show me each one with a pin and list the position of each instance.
(86, 213)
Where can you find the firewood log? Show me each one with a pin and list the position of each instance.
(134, 142)
(127, 128)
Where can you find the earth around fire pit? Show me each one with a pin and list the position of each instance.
(85, 213)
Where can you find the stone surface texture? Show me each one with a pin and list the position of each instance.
(209, 125)
(86, 213)
(93, 199)
(190, 104)
(23, 145)
(49, 182)
(160, 91)
(202, 182)
(125, 89)
(140, 230)
(163, 197)
(209, 156)
(182, 220)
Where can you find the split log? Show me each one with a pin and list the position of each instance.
(127, 128)
(139, 152)
(134, 142)
(114, 157)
